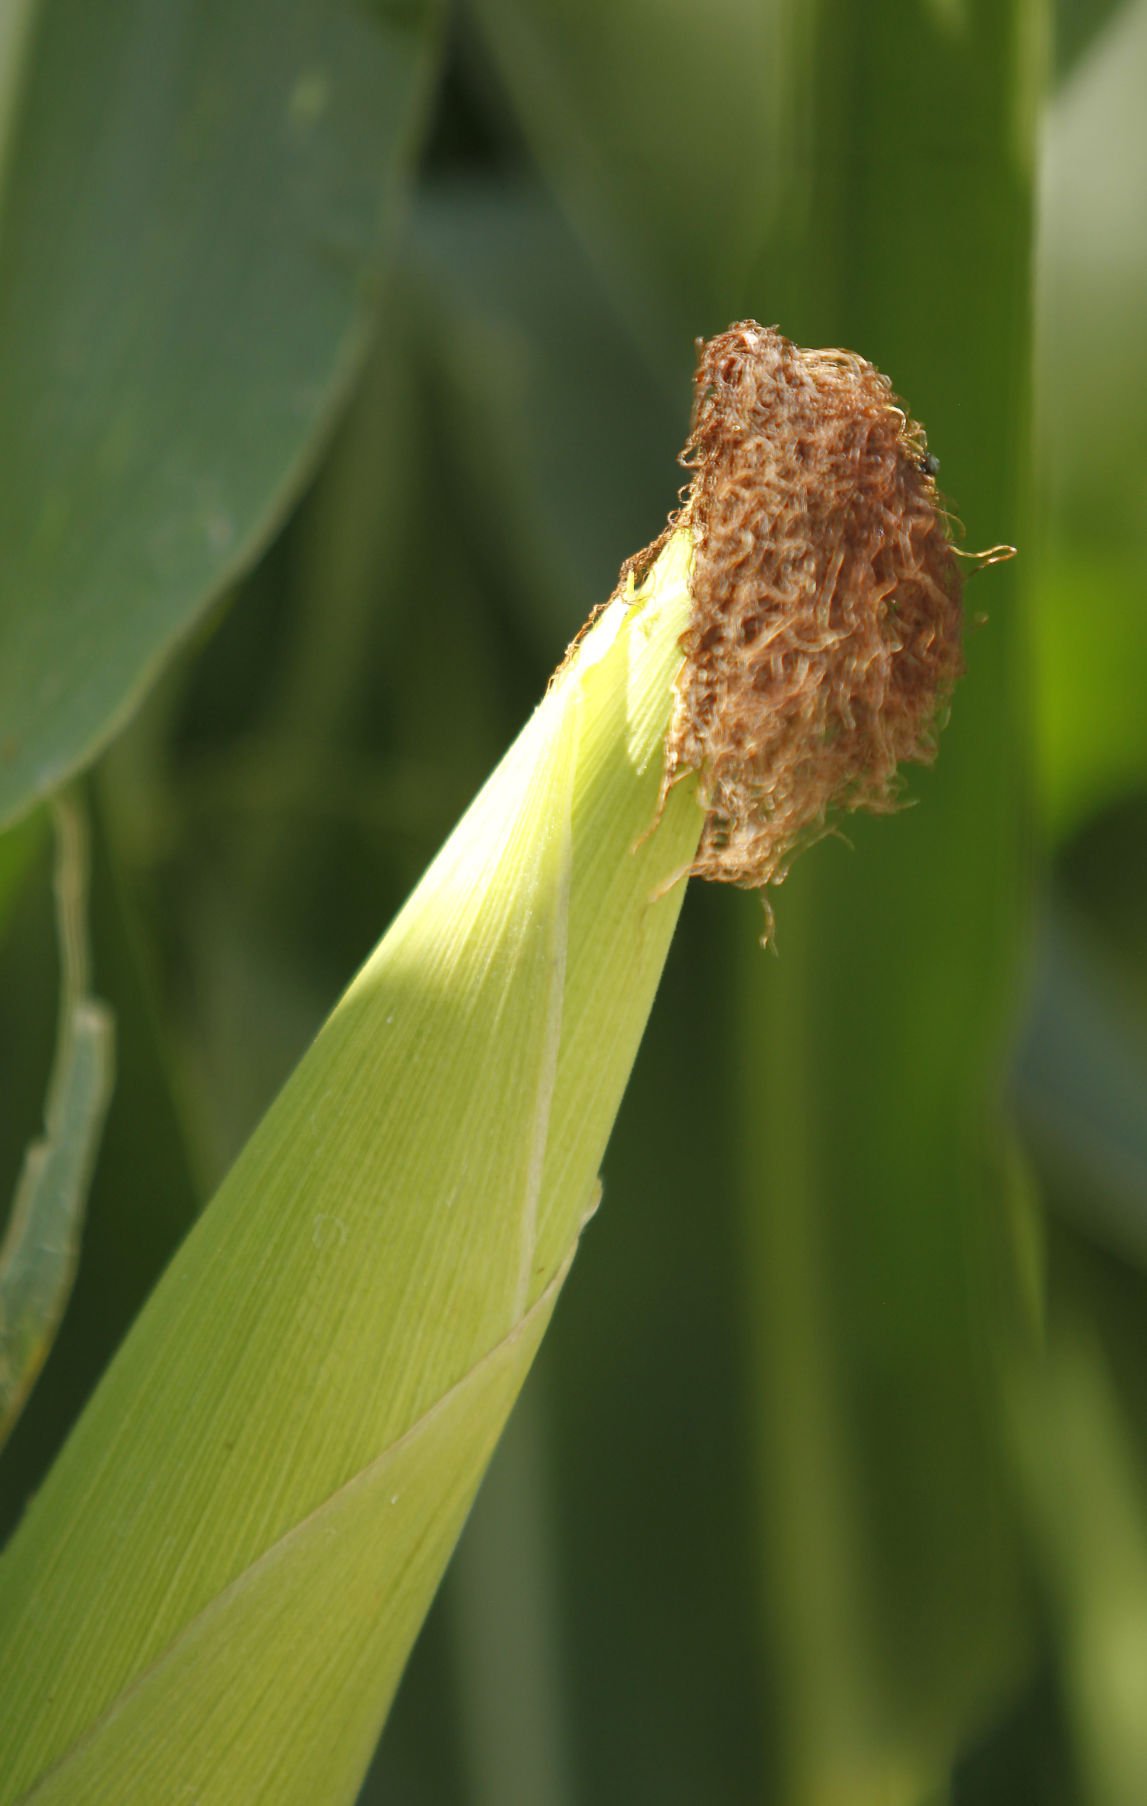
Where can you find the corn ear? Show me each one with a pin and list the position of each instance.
(214, 1595)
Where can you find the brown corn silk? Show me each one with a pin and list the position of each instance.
(825, 636)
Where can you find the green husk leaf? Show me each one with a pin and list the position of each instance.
(326, 1337)
(400, 1515)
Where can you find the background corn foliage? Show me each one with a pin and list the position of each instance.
(323, 425)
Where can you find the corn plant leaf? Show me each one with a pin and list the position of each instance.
(41, 1247)
(879, 1253)
(195, 205)
(415, 1191)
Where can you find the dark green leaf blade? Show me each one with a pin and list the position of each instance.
(39, 1252)
(197, 202)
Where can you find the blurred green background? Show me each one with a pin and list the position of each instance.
(325, 425)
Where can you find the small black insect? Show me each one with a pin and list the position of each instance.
(929, 465)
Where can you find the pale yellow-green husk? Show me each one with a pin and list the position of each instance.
(213, 1596)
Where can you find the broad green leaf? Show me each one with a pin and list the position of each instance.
(197, 203)
(414, 1192)
(41, 1246)
(880, 1271)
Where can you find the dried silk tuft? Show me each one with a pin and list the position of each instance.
(825, 637)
